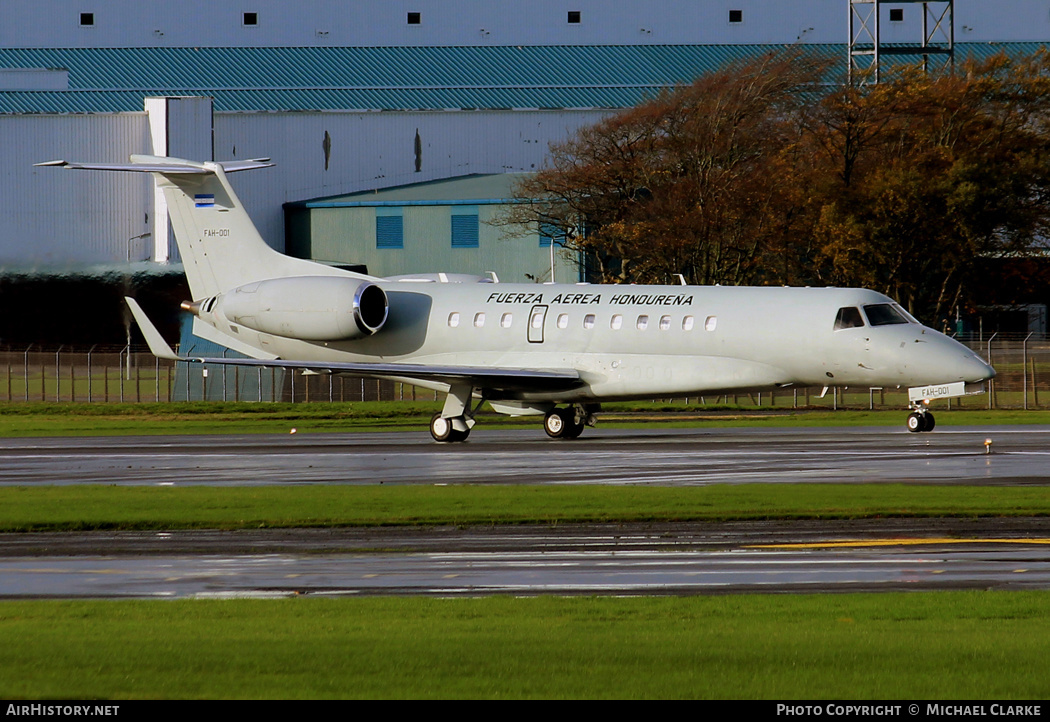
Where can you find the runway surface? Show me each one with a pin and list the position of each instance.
(597, 559)
(635, 559)
(1019, 455)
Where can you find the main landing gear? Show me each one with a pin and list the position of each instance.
(568, 423)
(920, 420)
(442, 429)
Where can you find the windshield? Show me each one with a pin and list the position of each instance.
(883, 314)
(848, 317)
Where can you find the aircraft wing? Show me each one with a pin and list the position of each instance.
(517, 379)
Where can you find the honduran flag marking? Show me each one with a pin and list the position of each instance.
(204, 200)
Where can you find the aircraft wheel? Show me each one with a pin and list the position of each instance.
(930, 422)
(916, 422)
(441, 428)
(556, 424)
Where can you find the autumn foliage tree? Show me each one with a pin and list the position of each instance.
(760, 173)
(679, 184)
(930, 176)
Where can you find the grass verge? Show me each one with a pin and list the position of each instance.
(68, 508)
(948, 645)
(48, 419)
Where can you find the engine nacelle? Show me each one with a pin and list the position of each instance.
(311, 308)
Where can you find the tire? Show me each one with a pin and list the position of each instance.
(556, 424)
(441, 428)
(930, 422)
(916, 422)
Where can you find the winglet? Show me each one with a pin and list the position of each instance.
(157, 345)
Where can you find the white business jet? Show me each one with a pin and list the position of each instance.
(557, 351)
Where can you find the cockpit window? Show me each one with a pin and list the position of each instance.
(911, 319)
(883, 314)
(849, 317)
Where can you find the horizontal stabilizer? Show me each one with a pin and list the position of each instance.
(162, 164)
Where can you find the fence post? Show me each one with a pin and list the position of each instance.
(25, 374)
(89, 371)
(1024, 369)
(991, 383)
(58, 375)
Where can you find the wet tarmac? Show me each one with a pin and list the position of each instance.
(951, 455)
(603, 559)
(675, 559)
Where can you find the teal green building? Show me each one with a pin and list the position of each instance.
(456, 225)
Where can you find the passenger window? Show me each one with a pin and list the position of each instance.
(453, 319)
(588, 321)
(616, 323)
(687, 323)
(643, 323)
(563, 321)
(883, 314)
(506, 320)
(665, 323)
(848, 317)
(479, 319)
(537, 318)
(711, 323)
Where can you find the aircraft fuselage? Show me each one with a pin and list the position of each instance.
(630, 342)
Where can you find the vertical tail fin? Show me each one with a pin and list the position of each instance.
(220, 246)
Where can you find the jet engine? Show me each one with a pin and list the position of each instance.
(311, 308)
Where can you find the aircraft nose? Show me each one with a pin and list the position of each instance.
(981, 370)
(965, 365)
(940, 360)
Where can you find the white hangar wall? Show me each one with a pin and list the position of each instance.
(373, 23)
(58, 218)
(55, 218)
(377, 150)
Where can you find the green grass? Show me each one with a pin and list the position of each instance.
(65, 508)
(949, 645)
(50, 419)
(946, 645)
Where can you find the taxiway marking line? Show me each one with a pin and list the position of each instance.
(893, 542)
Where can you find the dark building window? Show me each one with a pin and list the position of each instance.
(896, 15)
(574, 17)
(87, 19)
(390, 232)
(736, 16)
(414, 18)
(465, 231)
(251, 18)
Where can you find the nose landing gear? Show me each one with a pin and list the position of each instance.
(921, 420)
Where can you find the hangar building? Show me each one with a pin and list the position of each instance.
(353, 96)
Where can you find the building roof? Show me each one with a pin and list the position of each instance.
(107, 80)
(474, 189)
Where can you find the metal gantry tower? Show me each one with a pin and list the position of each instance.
(865, 44)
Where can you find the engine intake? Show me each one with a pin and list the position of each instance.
(311, 308)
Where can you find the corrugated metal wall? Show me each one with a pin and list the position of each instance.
(190, 23)
(348, 236)
(55, 217)
(377, 150)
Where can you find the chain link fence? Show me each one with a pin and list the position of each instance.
(133, 375)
